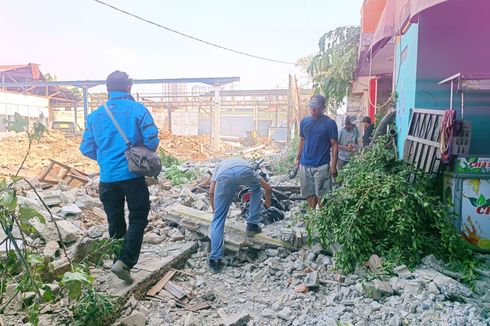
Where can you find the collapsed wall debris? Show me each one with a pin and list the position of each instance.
(275, 278)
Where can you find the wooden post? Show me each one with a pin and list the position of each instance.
(289, 112)
(75, 112)
(85, 103)
(215, 119)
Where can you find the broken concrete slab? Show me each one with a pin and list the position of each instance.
(51, 250)
(135, 319)
(176, 235)
(70, 211)
(52, 198)
(235, 239)
(402, 271)
(47, 231)
(286, 313)
(153, 238)
(34, 203)
(86, 202)
(377, 289)
(94, 232)
(237, 319)
(374, 264)
(312, 280)
(155, 261)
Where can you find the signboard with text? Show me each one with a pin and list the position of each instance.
(475, 212)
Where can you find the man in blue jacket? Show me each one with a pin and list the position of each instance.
(317, 152)
(102, 142)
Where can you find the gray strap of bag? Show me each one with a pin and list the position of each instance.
(128, 143)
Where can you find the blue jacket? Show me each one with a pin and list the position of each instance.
(102, 142)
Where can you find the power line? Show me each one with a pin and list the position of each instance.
(193, 37)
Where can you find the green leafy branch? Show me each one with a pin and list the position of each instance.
(27, 267)
(332, 68)
(379, 209)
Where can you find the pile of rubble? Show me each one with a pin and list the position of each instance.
(198, 148)
(52, 145)
(278, 287)
(275, 278)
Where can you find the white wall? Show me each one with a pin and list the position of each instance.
(26, 105)
(185, 123)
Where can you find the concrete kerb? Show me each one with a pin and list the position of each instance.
(199, 221)
(151, 267)
(155, 261)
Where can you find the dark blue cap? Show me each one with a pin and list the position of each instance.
(317, 102)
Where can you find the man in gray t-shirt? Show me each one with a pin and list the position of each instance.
(348, 139)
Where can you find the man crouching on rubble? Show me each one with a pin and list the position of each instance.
(227, 177)
(102, 142)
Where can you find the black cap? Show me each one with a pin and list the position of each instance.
(118, 81)
(366, 119)
(350, 120)
(317, 102)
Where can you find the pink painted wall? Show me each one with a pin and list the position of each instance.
(454, 37)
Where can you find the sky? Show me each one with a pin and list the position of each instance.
(82, 39)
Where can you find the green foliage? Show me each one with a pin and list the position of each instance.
(332, 69)
(172, 171)
(178, 177)
(168, 160)
(33, 314)
(99, 250)
(286, 161)
(27, 267)
(94, 309)
(25, 215)
(387, 208)
(19, 124)
(76, 280)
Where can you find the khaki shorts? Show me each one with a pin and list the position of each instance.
(315, 181)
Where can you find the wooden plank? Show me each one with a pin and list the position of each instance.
(252, 149)
(198, 306)
(160, 284)
(428, 111)
(428, 164)
(423, 141)
(424, 156)
(420, 126)
(430, 135)
(415, 159)
(412, 130)
(406, 150)
(176, 290)
(287, 188)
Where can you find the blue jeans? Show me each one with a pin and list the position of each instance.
(227, 184)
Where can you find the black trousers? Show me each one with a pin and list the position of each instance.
(135, 193)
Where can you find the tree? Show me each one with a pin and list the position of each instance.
(332, 69)
(50, 77)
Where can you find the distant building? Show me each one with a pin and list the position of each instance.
(31, 101)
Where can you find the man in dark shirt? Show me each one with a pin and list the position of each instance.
(368, 131)
(318, 135)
